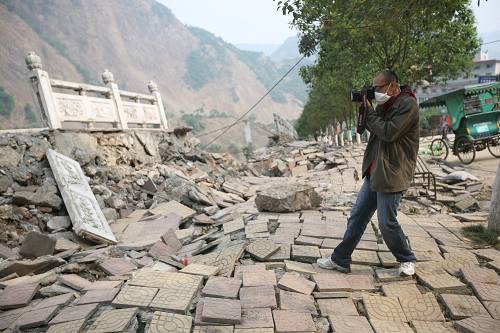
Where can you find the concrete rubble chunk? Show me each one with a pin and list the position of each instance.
(287, 198)
(59, 223)
(36, 245)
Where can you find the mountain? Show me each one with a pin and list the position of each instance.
(138, 41)
(267, 49)
(288, 50)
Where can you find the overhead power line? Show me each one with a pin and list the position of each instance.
(493, 41)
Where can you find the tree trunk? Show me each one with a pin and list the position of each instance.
(494, 219)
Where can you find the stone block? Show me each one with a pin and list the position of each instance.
(258, 297)
(74, 281)
(295, 282)
(304, 253)
(337, 307)
(299, 267)
(463, 306)
(255, 319)
(287, 321)
(400, 289)
(431, 326)
(331, 282)
(36, 245)
(287, 198)
(297, 302)
(262, 249)
(477, 325)
(103, 296)
(221, 310)
(222, 287)
(282, 254)
(233, 226)
(215, 329)
(349, 324)
(254, 279)
(386, 326)
(69, 326)
(117, 266)
(60, 300)
(174, 299)
(173, 207)
(486, 291)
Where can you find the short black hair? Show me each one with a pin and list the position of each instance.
(389, 75)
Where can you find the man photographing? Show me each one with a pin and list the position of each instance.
(388, 165)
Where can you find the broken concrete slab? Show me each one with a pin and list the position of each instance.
(287, 198)
(14, 297)
(36, 245)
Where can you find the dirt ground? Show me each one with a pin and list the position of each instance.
(484, 166)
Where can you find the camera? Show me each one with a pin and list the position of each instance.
(357, 95)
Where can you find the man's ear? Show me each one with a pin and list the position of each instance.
(393, 89)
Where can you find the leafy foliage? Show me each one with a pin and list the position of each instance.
(419, 39)
(30, 115)
(482, 236)
(194, 120)
(6, 103)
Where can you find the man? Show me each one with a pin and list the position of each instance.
(388, 166)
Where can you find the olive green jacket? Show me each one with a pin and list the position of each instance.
(393, 145)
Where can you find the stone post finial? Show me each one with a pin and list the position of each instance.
(152, 87)
(107, 77)
(33, 61)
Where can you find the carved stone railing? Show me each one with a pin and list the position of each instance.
(66, 104)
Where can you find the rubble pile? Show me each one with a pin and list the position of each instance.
(194, 242)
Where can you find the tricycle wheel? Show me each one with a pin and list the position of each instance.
(439, 149)
(494, 148)
(465, 150)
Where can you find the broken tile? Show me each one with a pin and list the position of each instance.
(173, 207)
(421, 307)
(493, 308)
(258, 297)
(253, 279)
(306, 240)
(304, 253)
(171, 240)
(174, 299)
(282, 254)
(291, 321)
(132, 296)
(477, 325)
(300, 267)
(113, 321)
(74, 281)
(295, 282)
(297, 302)
(431, 327)
(349, 324)
(486, 291)
(478, 274)
(13, 297)
(36, 318)
(96, 285)
(383, 308)
(221, 310)
(262, 249)
(390, 275)
(400, 289)
(331, 282)
(165, 322)
(71, 313)
(463, 306)
(117, 266)
(98, 296)
(199, 269)
(222, 287)
(233, 226)
(337, 307)
(385, 326)
(69, 326)
(59, 300)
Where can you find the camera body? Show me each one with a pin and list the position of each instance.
(357, 95)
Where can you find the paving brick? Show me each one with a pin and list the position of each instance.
(36, 318)
(165, 322)
(390, 275)
(486, 291)
(331, 282)
(253, 279)
(385, 326)
(199, 269)
(383, 308)
(361, 282)
(69, 326)
(98, 296)
(364, 257)
(113, 321)
(221, 310)
(337, 306)
(71, 313)
(173, 299)
(349, 324)
(154, 279)
(233, 226)
(258, 297)
(431, 327)
(478, 274)
(295, 282)
(291, 321)
(99, 285)
(215, 329)
(297, 302)
(306, 240)
(455, 261)
(421, 307)
(300, 267)
(400, 289)
(254, 330)
(255, 319)
(282, 254)
(477, 325)
(74, 281)
(330, 243)
(132, 296)
(463, 306)
(60, 300)
(117, 266)
(387, 259)
(304, 253)
(240, 269)
(222, 287)
(493, 308)
(17, 296)
(262, 249)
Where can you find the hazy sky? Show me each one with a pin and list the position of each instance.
(258, 22)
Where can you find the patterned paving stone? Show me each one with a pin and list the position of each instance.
(173, 299)
(455, 261)
(463, 306)
(478, 274)
(331, 282)
(305, 253)
(155, 279)
(98, 296)
(421, 307)
(383, 308)
(71, 313)
(282, 254)
(486, 291)
(477, 325)
(254, 330)
(213, 329)
(290, 321)
(295, 282)
(113, 321)
(390, 275)
(104, 285)
(117, 266)
(255, 319)
(233, 226)
(387, 259)
(493, 308)
(69, 326)
(258, 297)
(36, 318)
(255, 228)
(300, 267)
(221, 287)
(367, 245)
(385, 326)
(330, 243)
(431, 327)
(297, 302)
(361, 282)
(132, 296)
(349, 324)
(435, 277)
(306, 240)
(200, 269)
(253, 279)
(337, 307)
(221, 310)
(364, 257)
(165, 322)
(262, 249)
(13, 297)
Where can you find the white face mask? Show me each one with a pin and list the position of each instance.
(381, 98)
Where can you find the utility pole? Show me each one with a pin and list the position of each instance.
(494, 218)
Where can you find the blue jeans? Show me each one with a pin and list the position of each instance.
(386, 205)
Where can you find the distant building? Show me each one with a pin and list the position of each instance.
(484, 70)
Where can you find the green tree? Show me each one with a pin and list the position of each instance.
(419, 39)
(30, 115)
(6, 103)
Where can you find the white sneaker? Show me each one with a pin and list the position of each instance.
(407, 268)
(327, 263)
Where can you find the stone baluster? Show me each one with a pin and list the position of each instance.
(153, 89)
(42, 91)
(108, 80)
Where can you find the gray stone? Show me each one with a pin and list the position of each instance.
(58, 223)
(110, 214)
(38, 198)
(5, 182)
(9, 157)
(36, 245)
(287, 198)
